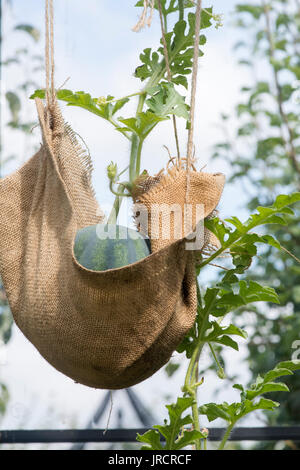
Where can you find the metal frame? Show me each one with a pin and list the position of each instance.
(276, 433)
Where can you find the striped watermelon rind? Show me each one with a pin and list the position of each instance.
(100, 254)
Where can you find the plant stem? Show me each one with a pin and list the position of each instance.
(191, 378)
(138, 157)
(135, 143)
(117, 193)
(138, 93)
(226, 437)
(165, 18)
(215, 357)
(181, 10)
(195, 412)
(135, 159)
(112, 219)
(141, 102)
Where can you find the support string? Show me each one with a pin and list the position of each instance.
(49, 53)
(193, 96)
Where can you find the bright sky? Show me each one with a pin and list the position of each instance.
(95, 47)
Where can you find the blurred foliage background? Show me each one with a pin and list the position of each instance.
(28, 64)
(264, 155)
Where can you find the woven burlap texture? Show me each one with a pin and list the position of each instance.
(167, 210)
(108, 329)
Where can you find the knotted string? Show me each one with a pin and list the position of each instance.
(49, 53)
(143, 21)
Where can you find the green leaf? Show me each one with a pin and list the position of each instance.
(290, 365)
(254, 292)
(235, 330)
(266, 215)
(166, 100)
(238, 387)
(103, 107)
(263, 404)
(172, 430)
(218, 228)
(284, 200)
(219, 331)
(141, 125)
(176, 436)
(248, 292)
(266, 388)
(38, 94)
(29, 29)
(180, 43)
(14, 104)
(277, 372)
(210, 299)
(187, 438)
(213, 411)
(151, 437)
(268, 239)
(227, 341)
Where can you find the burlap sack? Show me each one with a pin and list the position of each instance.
(108, 329)
(167, 210)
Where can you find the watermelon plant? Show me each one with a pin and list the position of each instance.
(161, 98)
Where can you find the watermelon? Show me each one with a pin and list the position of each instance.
(101, 247)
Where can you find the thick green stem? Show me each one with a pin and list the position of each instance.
(191, 379)
(136, 146)
(134, 163)
(195, 412)
(112, 219)
(138, 157)
(190, 386)
(181, 10)
(226, 437)
(141, 103)
(135, 143)
(164, 13)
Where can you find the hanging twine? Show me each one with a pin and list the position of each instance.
(193, 98)
(166, 55)
(49, 53)
(144, 21)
